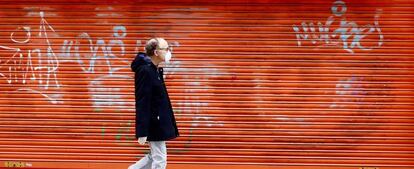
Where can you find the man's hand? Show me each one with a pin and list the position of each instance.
(142, 140)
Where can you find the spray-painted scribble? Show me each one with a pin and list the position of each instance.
(124, 133)
(190, 101)
(51, 56)
(31, 66)
(40, 66)
(349, 34)
(193, 105)
(21, 66)
(349, 90)
(96, 51)
(28, 34)
(107, 96)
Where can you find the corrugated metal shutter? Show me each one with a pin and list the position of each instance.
(255, 84)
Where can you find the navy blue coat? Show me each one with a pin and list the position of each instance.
(154, 114)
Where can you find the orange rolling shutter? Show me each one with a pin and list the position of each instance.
(254, 84)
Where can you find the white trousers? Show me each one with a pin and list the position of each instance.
(155, 159)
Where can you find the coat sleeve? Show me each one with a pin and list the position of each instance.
(143, 94)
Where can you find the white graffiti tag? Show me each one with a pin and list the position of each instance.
(31, 65)
(35, 66)
(348, 34)
(93, 53)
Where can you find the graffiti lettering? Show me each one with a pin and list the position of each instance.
(349, 34)
(20, 64)
(94, 49)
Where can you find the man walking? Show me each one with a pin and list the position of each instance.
(155, 121)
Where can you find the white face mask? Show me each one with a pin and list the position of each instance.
(168, 57)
